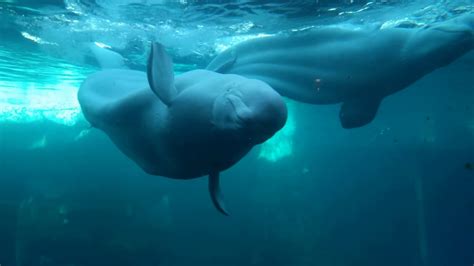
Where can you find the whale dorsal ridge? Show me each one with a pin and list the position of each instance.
(160, 74)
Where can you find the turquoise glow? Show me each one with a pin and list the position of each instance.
(35, 87)
(29, 104)
(281, 144)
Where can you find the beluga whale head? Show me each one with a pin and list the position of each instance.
(250, 109)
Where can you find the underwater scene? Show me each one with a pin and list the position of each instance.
(283, 133)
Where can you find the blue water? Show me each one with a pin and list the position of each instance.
(396, 192)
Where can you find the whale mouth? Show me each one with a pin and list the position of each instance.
(261, 131)
(242, 112)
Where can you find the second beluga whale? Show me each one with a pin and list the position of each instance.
(191, 125)
(355, 67)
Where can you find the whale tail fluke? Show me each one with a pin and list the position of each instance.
(359, 112)
(216, 195)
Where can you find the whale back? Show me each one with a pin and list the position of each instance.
(114, 95)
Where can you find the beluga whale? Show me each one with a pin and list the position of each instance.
(191, 125)
(355, 67)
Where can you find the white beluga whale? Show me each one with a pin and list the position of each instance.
(191, 125)
(355, 67)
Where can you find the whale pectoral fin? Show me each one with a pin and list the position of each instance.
(224, 62)
(160, 73)
(215, 191)
(358, 112)
(107, 59)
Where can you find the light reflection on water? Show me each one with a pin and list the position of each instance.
(35, 87)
